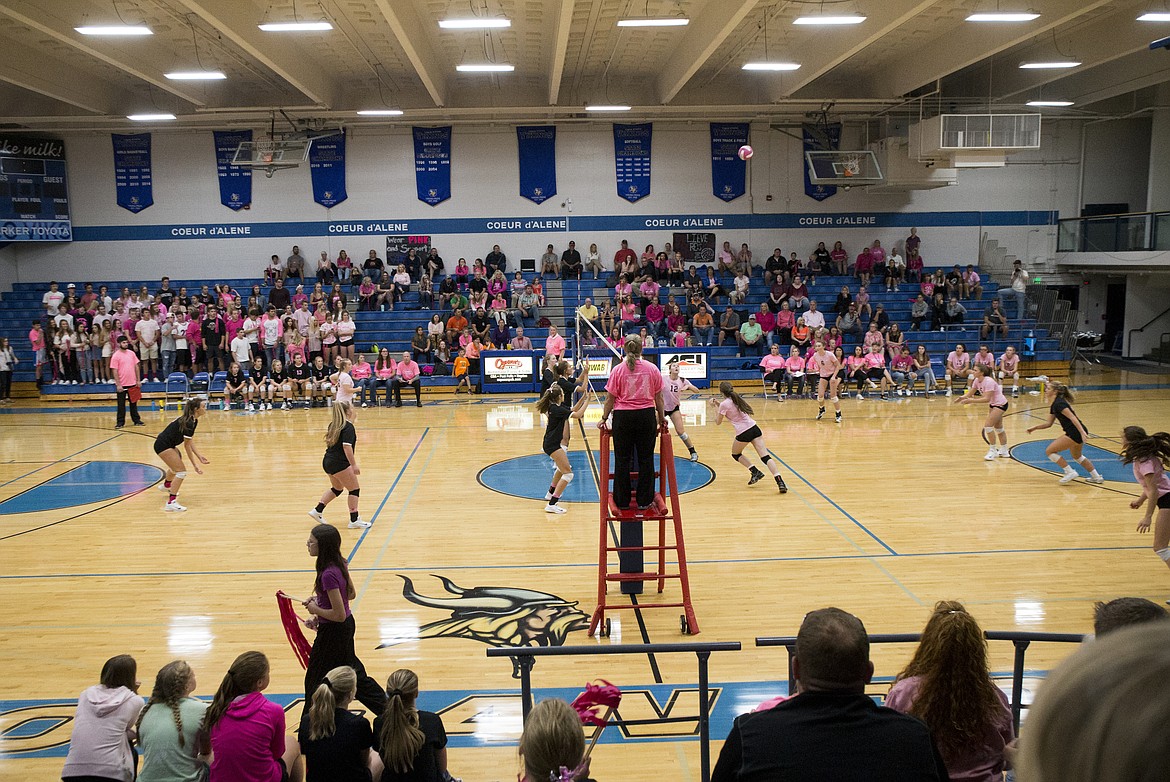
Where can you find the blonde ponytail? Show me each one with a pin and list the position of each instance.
(339, 684)
(633, 348)
(337, 423)
(401, 739)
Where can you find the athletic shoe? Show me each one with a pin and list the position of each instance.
(1068, 477)
(992, 453)
(140, 423)
(859, 395)
(837, 417)
(694, 456)
(781, 485)
(418, 403)
(1015, 392)
(162, 486)
(318, 517)
(360, 523)
(364, 404)
(251, 408)
(554, 509)
(783, 397)
(120, 426)
(821, 414)
(885, 396)
(173, 507)
(756, 476)
(948, 393)
(284, 406)
(1099, 479)
(269, 406)
(1003, 451)
(898, 392)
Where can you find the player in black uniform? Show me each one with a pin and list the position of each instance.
(258, 384)
(181, 431)
(300, 379)
(279, 380)
(340, 464)
(556, 440)
(1060, 397)
(235, 387)
(322, 388)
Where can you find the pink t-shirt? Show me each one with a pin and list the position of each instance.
(986, 359)
(955, 361)
(408, 371)
(875, 361)
(634, 389)
(124, 364)
(991, 390)
(671, 389)
(37, 338)
(739, 419)
(902, 363)
(1009, 363)
(770, 362)
(357, 371)
(794, 364)
(555, 345)
(1153, 467)
(826, 364)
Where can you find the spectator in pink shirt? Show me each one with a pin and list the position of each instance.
(773, 367)
(406, 374)
(385, 368)
(554, 343)
(362, 373)
(124, 365)
(655, 319)
(767, 320)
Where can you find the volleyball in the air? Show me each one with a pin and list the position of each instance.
(745, 152)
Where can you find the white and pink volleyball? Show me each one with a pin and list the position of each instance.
(746, 152)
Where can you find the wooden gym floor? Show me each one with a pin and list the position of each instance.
(887, 513)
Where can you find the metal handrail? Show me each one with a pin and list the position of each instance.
(524, 658)
(1021, 640)
(1141, 329)
(1150, 231)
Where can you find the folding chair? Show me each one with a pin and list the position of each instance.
(178, 385)
(218, 384)
(198, 386)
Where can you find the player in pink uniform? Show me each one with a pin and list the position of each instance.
(997, 404)
(735, 409)
(1009, 366)
(958, 364)
(1150, 455)
(827, 367)
(672, 385)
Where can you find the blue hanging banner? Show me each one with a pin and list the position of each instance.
(235, 182)
(538, 161)
(728, 172)
(432, 164)
(817, 139)
(327, 169)
(631, 155)
(132, 179)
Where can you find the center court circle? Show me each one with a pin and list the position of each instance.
(528, 477)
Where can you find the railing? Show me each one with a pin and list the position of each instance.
(1114, 233)
(1021, 641)
(524, 658)
(1142, 329)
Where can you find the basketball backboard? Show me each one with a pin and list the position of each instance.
(846, 168)
(272, 154)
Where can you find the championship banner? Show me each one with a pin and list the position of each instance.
(235, 182)
(432, 164)
(814, 140)
(728, 172)
(34, 193)
(538, 162)
(132, 180)
(631, 154)
(327, 169)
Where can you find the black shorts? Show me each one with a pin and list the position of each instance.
(875, 372)
(1164, 502)
(551, 448)
(160, 446)
(671, 412)
(1003, 407)
(749, 435)
(333, 468)
(345, 343)
(1075, 436)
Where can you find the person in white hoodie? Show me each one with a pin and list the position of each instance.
(103, 726)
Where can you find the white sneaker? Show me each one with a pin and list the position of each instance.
(269, 406)
(859, 395)
(554, 509)
(694, 456)
(360, 523)
(320, 517)
(174, 507)
(991, 454)
(251, 408)
(899, 392)
(547, 496)
(284, 406)
(1004, 452)
(948, 393)
(1068, 477)
(163, 487)
(1098, 479)
(364, 404)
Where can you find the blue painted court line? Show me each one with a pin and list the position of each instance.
(839, 509)
(389, 491)
(85, 484)
(62, 459)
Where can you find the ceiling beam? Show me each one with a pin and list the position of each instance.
(1128, 74)
(237, 22)
(54, 79)
(415, 39)
(562, 20)
(31, 16)
(705, 34)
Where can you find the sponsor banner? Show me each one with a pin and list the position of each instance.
(327, 169)
(631, 154)
(133, 184)
(599, 367)
(692, 363)
(508, 367)
(34, 199)
(814, 141)
(728, 172)
(235, 182)
(432, 164)
(538, 162)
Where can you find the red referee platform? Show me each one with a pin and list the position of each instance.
(629, 543)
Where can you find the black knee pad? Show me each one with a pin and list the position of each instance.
(354, 492)
(336, 492)
(766, 458)
(735, 458)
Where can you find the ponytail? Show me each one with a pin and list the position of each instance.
(546, 401)
(170, 685)
(189, 411)
(1140, 447)
(339, 684)
(401, 738)
(728, 391)
(1062, 391)
(337, 422)
(243, 677)
(633, 348)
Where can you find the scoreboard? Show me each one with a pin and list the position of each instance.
(34, 198)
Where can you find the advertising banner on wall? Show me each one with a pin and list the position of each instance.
(34, 198)
(235, 182)
(631, 152)
(133, 184)
(432, 164)
(692, 364)
(538, 162)
(728, 172)
(327, 169)
(508, 370)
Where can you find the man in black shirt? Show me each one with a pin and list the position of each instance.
(478, 284)
(447, 289)
(571, 263)
(830, 730)
(496, 260)
(775, 266)
(373, 266)
(481, 325)
(411, 262)
(165, 295)
(279, 296)
(955, 283)
(214, 334)
(434, 264)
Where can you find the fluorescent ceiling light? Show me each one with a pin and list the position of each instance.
(1050, 103)
(380, 112)
(474, 23)
(196, 75)
(487, 67)
(603, 107)
(295, 27)
(1007, 16)
(1155, 16)
(1049, 65)
(120, 29)
(654, 21)
(815, 20)
(150, 117)
(771, 66)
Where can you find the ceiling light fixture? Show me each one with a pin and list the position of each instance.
(770, 66)
(487, 67)
(150, 117)
(1155, 16)
(1050, 103)
(380, 112)
(295, 27)
(654, 21)
(196, 75)
(829, 20)
(603, 107)
(1003, 16)
(120, 29)
(1038, 66)
(474, 23)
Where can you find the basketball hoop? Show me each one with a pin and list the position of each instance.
(852, 167)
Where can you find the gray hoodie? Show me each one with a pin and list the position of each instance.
(102, 729)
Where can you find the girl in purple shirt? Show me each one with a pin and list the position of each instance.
(736, 410)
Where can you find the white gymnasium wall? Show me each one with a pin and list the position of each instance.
(1117, 163)
(381, 187)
